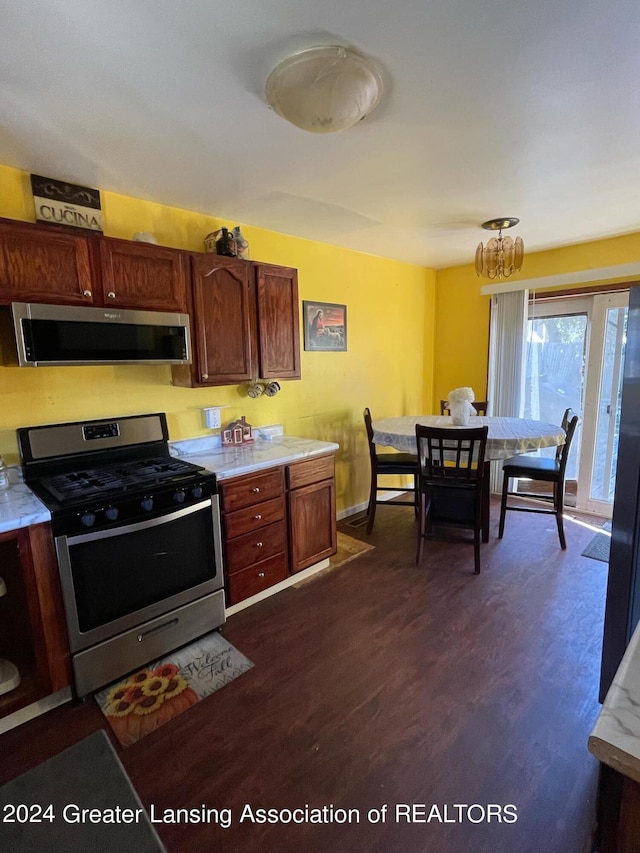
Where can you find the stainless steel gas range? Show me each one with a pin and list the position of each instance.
(137, 536)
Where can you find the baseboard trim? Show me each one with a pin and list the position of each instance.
(36, 709)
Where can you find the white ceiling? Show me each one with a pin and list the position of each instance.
(527, 108)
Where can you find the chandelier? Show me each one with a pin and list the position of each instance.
(502, 256)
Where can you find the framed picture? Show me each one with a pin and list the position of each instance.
(325, 326)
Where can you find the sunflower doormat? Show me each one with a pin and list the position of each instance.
(150, 697)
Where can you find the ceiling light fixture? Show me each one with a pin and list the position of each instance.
(502, 256)
(324, 89)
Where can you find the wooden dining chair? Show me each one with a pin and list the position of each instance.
(384, 464)
(480, 406)
(544, 469)
(450, 482)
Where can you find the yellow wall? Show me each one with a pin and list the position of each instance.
(462, 312)
(390, 330)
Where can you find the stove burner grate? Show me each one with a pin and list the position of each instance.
(117, 478)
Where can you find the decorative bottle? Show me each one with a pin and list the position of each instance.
(242, 245)
(225, 244)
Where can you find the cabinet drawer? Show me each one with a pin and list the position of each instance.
(252, 547)
(251, 489)
(257, 578)
(310, 471)
(252, 517)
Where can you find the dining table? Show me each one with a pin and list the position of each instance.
(506, 437)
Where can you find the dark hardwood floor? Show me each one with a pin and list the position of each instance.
(383, 683)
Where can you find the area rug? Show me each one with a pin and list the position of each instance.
(598, 548)
(146, 700)
(50, 804)
(348, 549)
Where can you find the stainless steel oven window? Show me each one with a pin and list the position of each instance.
(115, 579)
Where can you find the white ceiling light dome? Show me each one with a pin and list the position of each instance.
(324, 89)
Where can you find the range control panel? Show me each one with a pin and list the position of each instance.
(94, 431)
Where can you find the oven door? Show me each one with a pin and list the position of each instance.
(116, 579)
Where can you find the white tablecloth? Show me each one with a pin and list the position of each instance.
(507, 436)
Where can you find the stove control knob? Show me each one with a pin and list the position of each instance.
(179, 497)
(196, 491)
(112, 512)
(146, 504)
(88, 519)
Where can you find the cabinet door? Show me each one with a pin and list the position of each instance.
(278, 318)
(32, 625)
(37, 265)
(222, 325)
(139, 275)
(312, 524)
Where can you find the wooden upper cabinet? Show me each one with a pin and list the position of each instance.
(278, 321)
(222, 314)
(140, 275)
(42, 265)
(245, 322)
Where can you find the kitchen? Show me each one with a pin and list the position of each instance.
(333, 712)
(47, 396)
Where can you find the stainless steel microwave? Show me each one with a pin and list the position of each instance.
(54, 335)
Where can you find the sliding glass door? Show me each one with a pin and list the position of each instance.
(601, 421)
(574, 360)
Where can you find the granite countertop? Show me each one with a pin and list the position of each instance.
(615, 739)
(19, 507)
(227, 462)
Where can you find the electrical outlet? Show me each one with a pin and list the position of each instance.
(212, 417)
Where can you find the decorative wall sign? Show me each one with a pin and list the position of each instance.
(325, 326)
(61, 203)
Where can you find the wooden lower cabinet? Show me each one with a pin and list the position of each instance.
(256, 578)
(255, 533)
(618, 813)
(277, 522)
(312, 511)
(32, 625)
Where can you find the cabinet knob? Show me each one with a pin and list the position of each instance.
(205, 376)
(86, 293)
(256, 489)
(257, 517)
(258, 544)
(260, 574)
(111, 295)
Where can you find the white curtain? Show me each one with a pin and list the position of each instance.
(507, 350)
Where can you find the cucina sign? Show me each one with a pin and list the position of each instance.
(62, 203)
(65, 215)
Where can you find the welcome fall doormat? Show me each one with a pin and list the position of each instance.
(146, 700)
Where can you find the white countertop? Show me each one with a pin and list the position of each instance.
(19, 507)
(227, 462)
(615, 739)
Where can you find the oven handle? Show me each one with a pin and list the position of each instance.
(140, 525)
